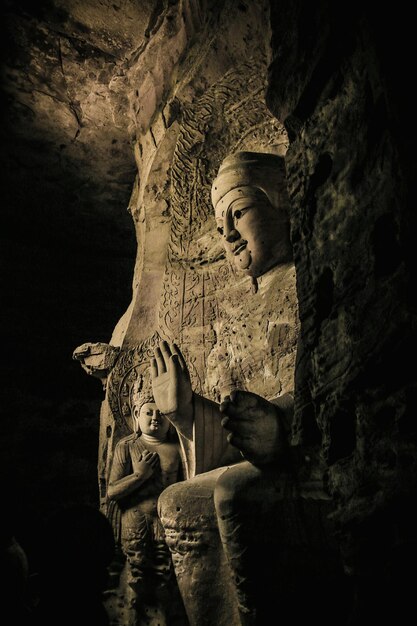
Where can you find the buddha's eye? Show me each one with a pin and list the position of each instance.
(148, 412)
(220, 230)
(240, 212)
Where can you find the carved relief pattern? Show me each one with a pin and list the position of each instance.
(201, 305)
(191, 541)
(130, 365)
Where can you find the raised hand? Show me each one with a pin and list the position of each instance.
(254, 425)
(171, 383)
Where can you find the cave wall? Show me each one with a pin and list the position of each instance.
(67, 242)
(342, 96)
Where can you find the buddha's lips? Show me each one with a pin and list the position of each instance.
(238, 249)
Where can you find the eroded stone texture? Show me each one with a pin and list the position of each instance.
(349, 172)
(97, 359)
(67, 244)
(59, 74)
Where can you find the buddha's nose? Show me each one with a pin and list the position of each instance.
(231, 234)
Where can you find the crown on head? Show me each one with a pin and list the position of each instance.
(243, 171)
(141, 391)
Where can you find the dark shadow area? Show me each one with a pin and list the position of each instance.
(67, 253)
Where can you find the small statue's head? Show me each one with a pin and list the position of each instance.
(149, 420)
(251, 203)
(146, 417)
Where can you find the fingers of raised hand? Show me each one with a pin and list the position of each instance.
(168, 360)
(177, 363)
(174, 364)
(161, 380)
(160, 361)
(164, 355)
(166, 352)
(181, 360)
(154, 368)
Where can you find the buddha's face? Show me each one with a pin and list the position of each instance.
(255, 234)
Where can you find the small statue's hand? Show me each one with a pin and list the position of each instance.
(147, 465)
(254, 427)
(171, 383)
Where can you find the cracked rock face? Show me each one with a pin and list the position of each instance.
(60, 69)
(68, 245)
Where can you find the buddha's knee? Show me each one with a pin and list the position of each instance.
(189, 499)
(189, 520)
(233, 490)
(172, 501)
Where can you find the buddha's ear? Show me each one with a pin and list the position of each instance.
(135, 419)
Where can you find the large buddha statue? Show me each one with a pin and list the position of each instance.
(238, 454)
